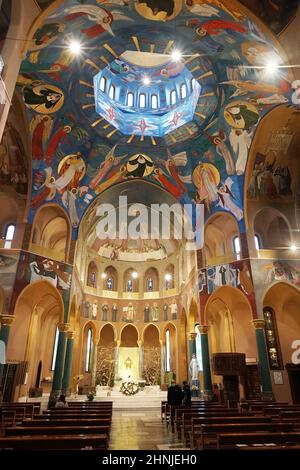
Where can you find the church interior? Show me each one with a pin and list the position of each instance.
(182, 111)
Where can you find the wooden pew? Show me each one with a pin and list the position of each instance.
(55, 430)
(192, 430)
(66, 442)
(68, 422)
(231, 441)
(73, 416)
(177, 420)
(210, 431)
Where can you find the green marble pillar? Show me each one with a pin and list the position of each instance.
(59, 364)
(6, 321)
(207, 385)
(265, 376)
(68, 362)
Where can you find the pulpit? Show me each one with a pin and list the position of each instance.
(231, 366)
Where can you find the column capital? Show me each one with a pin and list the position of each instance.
(193, 336)
(203, 329)
(259, 323)
(63, 327)
(140, 343)
(71, 334)
(6, 319)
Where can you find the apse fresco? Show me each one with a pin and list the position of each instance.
(32, 268)
(237, 274)
(201, 154)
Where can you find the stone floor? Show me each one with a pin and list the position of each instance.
(141, 430)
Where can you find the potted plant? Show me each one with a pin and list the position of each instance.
(90, 396)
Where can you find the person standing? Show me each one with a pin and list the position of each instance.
(187, 396)
(174, 400)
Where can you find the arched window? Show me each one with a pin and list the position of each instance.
(55, 345)
(168, 352)
(9, 235)
(112, 92)
(93, 279)
(103, 82)
(193, 83)
(198, 348)
(88, 354)
(142, 100)
(257, 241)
(130, 99)
(149, 284)
(154, 101)
(236, 245)
(173, 97)
(183, 91)
(129, 285)
(110, 283)
(272, 339)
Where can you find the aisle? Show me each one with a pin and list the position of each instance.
(141, 430)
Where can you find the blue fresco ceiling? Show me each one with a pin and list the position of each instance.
(150, 100)
(78, 151)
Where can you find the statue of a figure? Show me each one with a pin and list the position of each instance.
(104, 312)
(86, 309)
(94, 310)
(174, 310)
(194, 368)
(98, 390)
(155, 312)
(114, 312)
(130, 313)
(165, 309)
(147, 313)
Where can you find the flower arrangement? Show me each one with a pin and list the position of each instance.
(194, 388)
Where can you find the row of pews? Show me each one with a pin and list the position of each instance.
(252, 425)
(83, 425)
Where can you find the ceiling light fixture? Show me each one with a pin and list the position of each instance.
(75, 47)
(176, 55)
(168, 277)
(134, 275)
(104, 275)
(146, 81)
(293, 247)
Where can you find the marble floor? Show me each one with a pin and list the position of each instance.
(141, 430)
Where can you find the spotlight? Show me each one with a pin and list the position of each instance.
(75, 47)
(271, 67)
(146, 81)
(176, 56)
(104, 275)
(134, 275)
(168, 277)
(293, 247)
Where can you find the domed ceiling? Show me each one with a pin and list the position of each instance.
(79, 152)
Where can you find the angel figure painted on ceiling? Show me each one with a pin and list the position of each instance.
(226, 198)
(206, 178)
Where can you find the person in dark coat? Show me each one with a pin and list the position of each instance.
(175, 397)
(187, 396)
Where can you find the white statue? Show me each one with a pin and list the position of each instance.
(94, 310)
(174, 310)
(194, 368)
(98, 390)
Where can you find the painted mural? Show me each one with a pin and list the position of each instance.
(8, 267)
(77, 153)
(13, 155)
(237, 274)
(32, 268)
(268, 272)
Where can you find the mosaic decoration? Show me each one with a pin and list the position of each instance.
(77, 153)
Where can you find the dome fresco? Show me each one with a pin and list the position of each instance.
(78, 152)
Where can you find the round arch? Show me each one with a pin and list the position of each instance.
(219, 232)
(229, 314)
(38, 310)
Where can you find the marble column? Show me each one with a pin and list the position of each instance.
(207, 384)
(162, 362)
(265, 376)
(6, 321)
(118, 343)
(59, 363)
(68, 362)
(141, 355)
